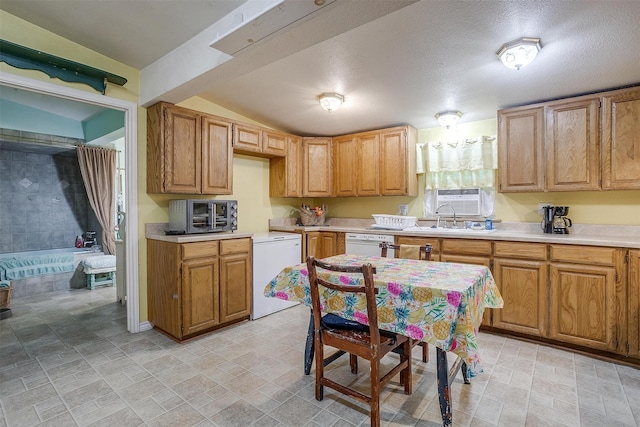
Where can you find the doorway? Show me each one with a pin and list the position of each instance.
(131, 181)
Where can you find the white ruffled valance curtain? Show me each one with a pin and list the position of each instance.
(469, 163)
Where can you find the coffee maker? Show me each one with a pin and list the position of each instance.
(554, 220)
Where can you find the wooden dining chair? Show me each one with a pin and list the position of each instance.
(369, 343)
(411, 252)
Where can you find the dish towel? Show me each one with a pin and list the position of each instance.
(410, 251)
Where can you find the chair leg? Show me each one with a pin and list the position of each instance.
(375, 393)
(353, 362)
(425, 351)
(319, 350)
(406, 375)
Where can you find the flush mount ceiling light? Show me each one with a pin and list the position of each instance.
(448, 118)
(331, 101)
(519, 53)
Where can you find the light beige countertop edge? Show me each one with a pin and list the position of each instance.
(632, 242)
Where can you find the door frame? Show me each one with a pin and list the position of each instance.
(130, 110)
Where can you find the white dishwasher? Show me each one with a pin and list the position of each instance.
(271, 253)
(367, 244)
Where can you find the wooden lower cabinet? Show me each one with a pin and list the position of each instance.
(197, 287)
(321, 244)
(634, 304)
(587, 297)
(520, 272)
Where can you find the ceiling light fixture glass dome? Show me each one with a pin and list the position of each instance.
(519, 53)
(330, 101)
(448, 118)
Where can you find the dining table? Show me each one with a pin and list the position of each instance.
(440, 303)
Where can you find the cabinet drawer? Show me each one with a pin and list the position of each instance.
(199, 249)
(234, 246)
(411, 240)
(520, 250)
(582, 254)
(468, 247)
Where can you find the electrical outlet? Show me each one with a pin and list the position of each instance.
(542, 205)
(403, 210)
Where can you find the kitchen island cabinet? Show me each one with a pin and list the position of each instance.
(588, 297)
(188, 152)
(198, 287)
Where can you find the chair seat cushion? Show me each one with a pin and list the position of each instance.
(332, 321)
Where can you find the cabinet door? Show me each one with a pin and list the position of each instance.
(521, 150)
(368, 164)
(523, 286)
(274, 143)
(321, 244)
(217, 156)
(163, 287)
(235, 279)
(247, 138)
(285, 173)
(317, 178)
(572, 144)
(396, 176)
(183, 151)
(344, 162)
(620, 141)
(200, 303)
(634, 303)
(583, 305)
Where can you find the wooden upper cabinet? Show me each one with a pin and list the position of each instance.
(247, 138)
(318, 168)
(187, 152)
(344, 170)
(398, 161)
(621, 140)
(274, 143)
(285, 173)
(521, 150)
(367, 164)
(217, 156)
(572, 145)
(258, 141)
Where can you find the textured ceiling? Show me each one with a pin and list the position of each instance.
(403, 67)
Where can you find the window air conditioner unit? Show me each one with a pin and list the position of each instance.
(466, 202)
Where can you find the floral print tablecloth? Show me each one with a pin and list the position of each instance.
(437, 302)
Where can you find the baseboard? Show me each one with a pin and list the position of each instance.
(145, 326)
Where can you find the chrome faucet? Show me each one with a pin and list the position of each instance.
(455, 222)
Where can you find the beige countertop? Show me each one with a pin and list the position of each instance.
(623, 236)
(155, 231)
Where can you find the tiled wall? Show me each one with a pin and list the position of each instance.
(43, 203)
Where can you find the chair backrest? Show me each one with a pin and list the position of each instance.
(423, 252)
(363, 274)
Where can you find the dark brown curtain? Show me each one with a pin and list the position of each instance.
(98, 168)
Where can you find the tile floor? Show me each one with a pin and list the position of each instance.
(66, 360)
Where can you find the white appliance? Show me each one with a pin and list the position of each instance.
(367, 244)
(271, 253)
(464, 201)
